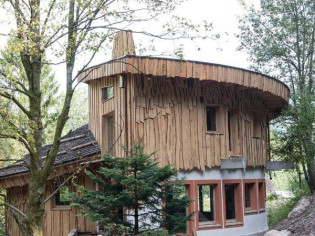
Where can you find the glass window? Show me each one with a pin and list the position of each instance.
(230, 203)
(107, 93)
(62, 197)
(248, 197)
(206, 203)
(261, 188)
(211, 119)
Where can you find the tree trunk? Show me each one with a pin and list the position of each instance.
(36, 206)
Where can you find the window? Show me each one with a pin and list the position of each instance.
(107, 93)
(250, 196)
(230, 203)
(233, 207)
(62, 197)
(206, 207)
(208, 203)
(211, 118)
(108, 134)
(261, 192)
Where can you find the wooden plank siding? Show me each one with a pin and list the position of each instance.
(57, 220)
(169, 116)
(171, 68)
(171, 119)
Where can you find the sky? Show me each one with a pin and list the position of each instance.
(224, 16)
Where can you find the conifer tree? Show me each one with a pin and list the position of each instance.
(136, 193)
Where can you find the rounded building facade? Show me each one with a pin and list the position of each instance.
(209, 121)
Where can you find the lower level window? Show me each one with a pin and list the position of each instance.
(230, 202)
(248, 196)
(261, 189)
(206, 211)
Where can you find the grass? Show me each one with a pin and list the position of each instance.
(278, 209)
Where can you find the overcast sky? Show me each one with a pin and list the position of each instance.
(224, 16)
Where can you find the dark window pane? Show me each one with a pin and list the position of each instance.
(211, 119)
(230, 201)
(229, 130)
(110, 134)
(107, 93)
(206, 203)
(248, 200)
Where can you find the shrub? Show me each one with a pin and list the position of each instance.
(278, 209)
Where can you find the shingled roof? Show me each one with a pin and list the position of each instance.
(76, 145)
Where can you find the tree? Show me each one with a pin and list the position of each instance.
(279, 38)
(10, 65)
(65, 30)
(136, 183)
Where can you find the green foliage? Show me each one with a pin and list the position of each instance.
(79, 111)
(13, 81)
(156, 233)
(279, 37)
(115, 229)
(134, 182)
(278, 209)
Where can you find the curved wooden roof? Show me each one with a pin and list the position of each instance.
(271, 90)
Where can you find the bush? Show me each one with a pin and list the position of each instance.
(156, 233)
(278, 209)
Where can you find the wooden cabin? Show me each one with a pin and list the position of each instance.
(210, 121)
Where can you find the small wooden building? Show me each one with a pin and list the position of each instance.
(210, 121)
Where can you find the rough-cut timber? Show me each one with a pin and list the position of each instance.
(273, 92)
(123, 44)
(57, 220)
(169, 116)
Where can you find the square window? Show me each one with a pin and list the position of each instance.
(211, 118)
(206, 208)
(62, 197)
(107, 93)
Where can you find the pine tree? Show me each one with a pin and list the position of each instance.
(136, 193)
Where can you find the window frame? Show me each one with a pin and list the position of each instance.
(104, 90)
(216, 119)
(217, 223)
(239, 215)
(105, 133)
(55, 206)
(261, 196)
(253, 195)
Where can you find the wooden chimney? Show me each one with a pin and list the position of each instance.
(123, 44)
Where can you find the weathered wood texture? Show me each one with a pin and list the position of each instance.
(120, 107)
(58, 220)
(123, 44)
(274, 92)
(169, 116)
